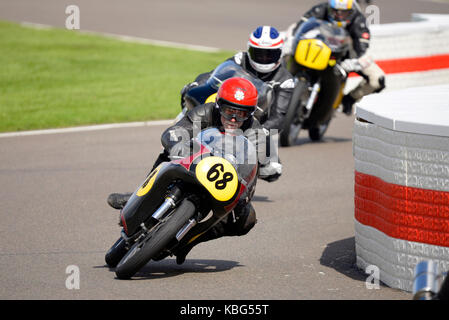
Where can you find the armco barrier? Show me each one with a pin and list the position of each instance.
(401, 157)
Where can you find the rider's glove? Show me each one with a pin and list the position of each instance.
(271, 171)
(181, 150)
(185, 89)
(351, 65)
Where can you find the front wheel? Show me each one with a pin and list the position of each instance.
(292, 121)
(155, 241)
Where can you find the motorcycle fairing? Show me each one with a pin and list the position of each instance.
(150, 195)
(148, 183)
(140, 207)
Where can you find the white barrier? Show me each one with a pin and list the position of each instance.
(429, 36)
(401, 156)
(398, 44)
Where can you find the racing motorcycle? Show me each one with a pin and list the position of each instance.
(182, 199)
(318, 47)
(206, 92)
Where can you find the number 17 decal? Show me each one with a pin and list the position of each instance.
(316, 45)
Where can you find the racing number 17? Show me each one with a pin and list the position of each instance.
(316, 47)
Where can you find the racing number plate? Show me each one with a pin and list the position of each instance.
(218, 176)
(313, 53)
(148, 183)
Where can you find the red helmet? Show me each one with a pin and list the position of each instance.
(237, 98)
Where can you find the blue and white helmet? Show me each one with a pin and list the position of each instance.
(265, 49)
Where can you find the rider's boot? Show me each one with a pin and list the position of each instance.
(182, 253)
(118, 200)
(348, 102)
(238, 223)
(216, 232)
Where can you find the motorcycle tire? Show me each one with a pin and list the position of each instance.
(116, 253)
(290, 130)
(317, 133)
(156, 240)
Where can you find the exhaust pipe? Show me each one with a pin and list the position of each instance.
(167, 205)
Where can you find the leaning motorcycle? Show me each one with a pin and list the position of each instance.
(318, 47)
(182, 199)
(206, 92)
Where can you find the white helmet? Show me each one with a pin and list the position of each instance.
(265, 49)
(341, 12)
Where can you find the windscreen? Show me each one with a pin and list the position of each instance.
(230, 69)
(335, 37)
(237, 149)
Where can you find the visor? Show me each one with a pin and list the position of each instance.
(340, 15)
(264, 56)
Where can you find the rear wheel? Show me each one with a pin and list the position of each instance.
(155, 241)
(292, 122)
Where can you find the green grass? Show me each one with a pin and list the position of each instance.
(60, 78)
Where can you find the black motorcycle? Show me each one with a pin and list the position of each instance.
(318, 47)
(182, 199)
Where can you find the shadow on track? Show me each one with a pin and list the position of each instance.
(326, 139)
(261, 198)
(340, 255)
(168, 268)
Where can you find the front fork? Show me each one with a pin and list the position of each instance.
(312, 98)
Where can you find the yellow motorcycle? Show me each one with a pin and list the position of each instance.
(318, 47)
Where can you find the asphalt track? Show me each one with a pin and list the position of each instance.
(54, 186)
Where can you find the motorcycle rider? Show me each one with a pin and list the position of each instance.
(347, 14)
(232, 110)
(263, 60)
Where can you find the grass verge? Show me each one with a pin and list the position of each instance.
(59, 78)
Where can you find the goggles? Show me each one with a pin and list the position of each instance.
(340, 15)
(229, 112)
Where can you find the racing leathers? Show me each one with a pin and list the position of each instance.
(207, 115)
(358, 61)
(243, 217)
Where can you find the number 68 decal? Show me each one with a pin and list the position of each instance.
(218, 176)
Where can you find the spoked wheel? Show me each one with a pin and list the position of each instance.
(292, 123)
(317, 133)
(155, 241)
